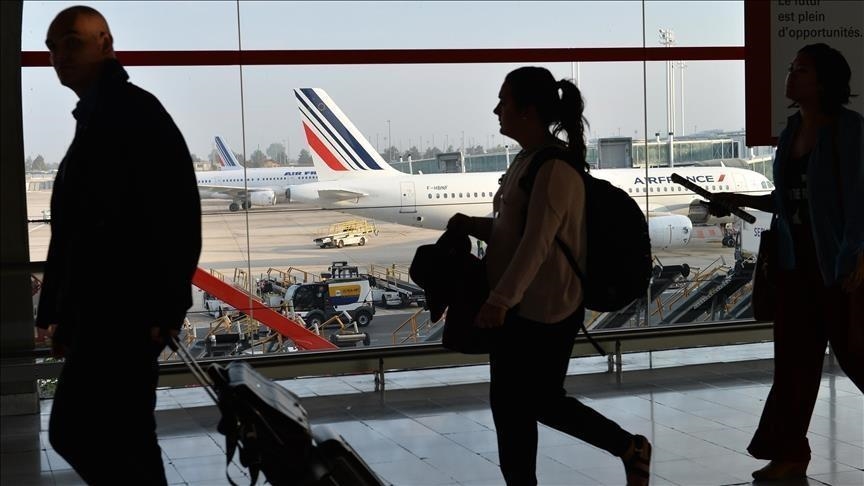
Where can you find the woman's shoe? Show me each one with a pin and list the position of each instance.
(776, 470)
(637, 461)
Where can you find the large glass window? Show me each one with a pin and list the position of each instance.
(410, 114)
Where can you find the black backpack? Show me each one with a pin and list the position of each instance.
(619, 266)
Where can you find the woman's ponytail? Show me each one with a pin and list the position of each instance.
(571, 118)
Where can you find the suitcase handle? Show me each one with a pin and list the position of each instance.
(195, 368)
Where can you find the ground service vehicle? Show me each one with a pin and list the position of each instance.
(353, 232)
(317, 302)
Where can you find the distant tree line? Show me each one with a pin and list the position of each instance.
(393, 153)
(276, 155)
(38, 164)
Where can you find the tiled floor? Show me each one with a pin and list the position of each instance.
(434, 427)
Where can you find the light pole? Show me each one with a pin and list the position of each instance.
(682, 65)
(667, 39)
(389, 137)
(574, 74)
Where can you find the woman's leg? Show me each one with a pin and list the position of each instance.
(799, 351)
(565, 413)
(512, 370)
(527, 378)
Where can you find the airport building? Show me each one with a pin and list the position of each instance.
(319, 299)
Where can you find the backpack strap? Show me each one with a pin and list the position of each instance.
(526, 183)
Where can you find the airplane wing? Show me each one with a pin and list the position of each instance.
(334, 195)
(231, 191)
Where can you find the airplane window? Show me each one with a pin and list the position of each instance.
(484, 194)
(460, 194)
(445, 195)
(453, 195)
(430, 195)
(437, 195)
(665, 189)
(475, 194)
(630, 190)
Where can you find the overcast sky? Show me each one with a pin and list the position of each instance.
(423, 101)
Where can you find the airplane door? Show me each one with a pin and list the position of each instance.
(408, 198)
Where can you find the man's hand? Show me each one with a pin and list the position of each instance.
(45, 335)
(460, 224)
(490, 316)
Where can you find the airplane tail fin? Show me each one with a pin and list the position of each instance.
(338, 148)
(226, 156)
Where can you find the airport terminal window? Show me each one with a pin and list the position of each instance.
(278, 141)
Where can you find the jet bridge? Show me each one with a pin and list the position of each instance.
(240, 299)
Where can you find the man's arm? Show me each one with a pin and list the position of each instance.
(172, 218)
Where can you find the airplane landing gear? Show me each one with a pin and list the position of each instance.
(235, 206)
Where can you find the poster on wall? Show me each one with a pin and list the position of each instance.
(797, 23)
(774, 32)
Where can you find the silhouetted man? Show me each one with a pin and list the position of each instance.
(117, 235)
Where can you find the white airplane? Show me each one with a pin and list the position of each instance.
(355, 179)
(252, 186)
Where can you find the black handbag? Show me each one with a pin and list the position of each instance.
(764, 295)
(456, 288)
(469, 294)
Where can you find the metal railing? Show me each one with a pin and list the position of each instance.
(376, 361)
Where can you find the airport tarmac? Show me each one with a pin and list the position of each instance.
(281, 237)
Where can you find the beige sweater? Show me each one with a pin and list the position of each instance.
(529, 267)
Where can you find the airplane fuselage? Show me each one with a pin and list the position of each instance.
(279, 180)
(430, 200)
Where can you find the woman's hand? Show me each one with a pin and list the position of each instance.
(460, 224)
(490, 316)
(722, 203)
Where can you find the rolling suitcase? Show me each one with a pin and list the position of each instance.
(269, 427)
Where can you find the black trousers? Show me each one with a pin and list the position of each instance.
(528, 367)
(102, 419)
(808, 317)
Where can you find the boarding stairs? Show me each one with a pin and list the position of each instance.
(708, 301)
(664, 278)
(255, 309)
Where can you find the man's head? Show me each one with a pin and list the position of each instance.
(79, 41)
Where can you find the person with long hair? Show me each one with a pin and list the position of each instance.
(535, 296)
(818, 205)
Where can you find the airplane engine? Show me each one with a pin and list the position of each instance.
(698, 212)
(672, 231)
(262, 198)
